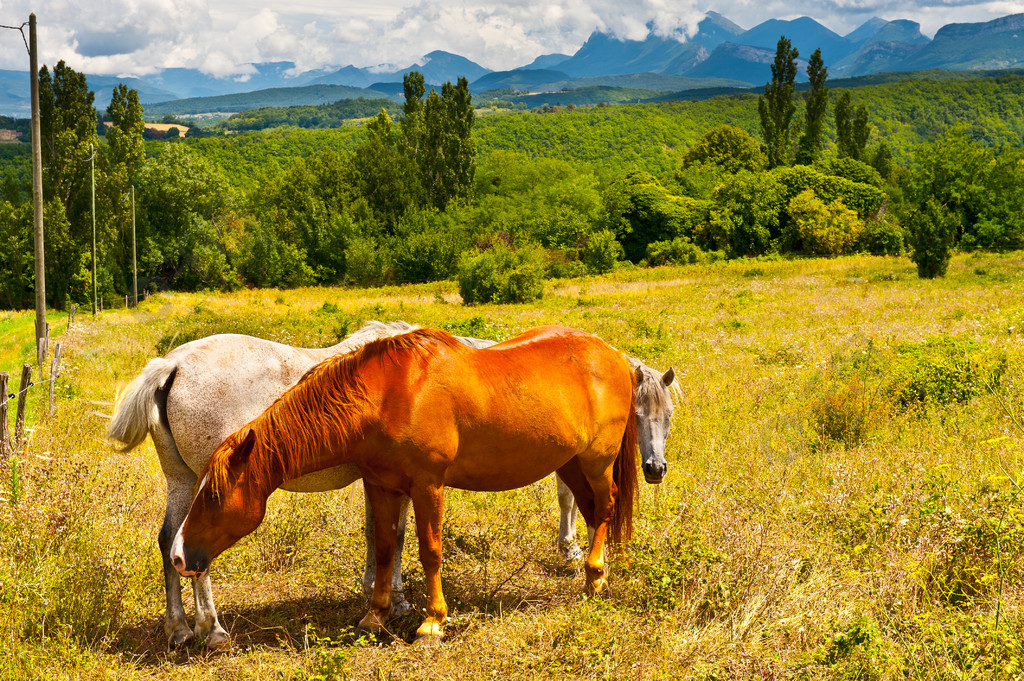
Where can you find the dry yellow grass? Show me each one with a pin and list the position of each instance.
(779, 547)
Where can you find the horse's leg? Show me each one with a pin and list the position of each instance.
(399, 605)
(567, 545)
(386, 505)
(604, 501)
(180, 482)
(207, 624)
(594, 496)
(428, 505)
(175, 623)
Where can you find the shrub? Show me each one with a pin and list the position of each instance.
(428, 246)
(502, 275)
(866, 199)
(944, 370)
(366, 262)
(848, 412)
(678, 251)
(851, 169)
(882, 235)
(932, 230)
(817, 228)
(601, 252)
(727, 146)
(746, 218)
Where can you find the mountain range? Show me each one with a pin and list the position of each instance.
(720, 54)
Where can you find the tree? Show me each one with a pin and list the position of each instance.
(776, 107)
(852, 128)
(729, 147)
(932, 230)
(809, 145)
(125, 154)
(412, 114)
(68, 136)
(437, 134)
(184, 203)
(387, 179)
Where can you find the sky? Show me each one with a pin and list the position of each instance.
(223, 38)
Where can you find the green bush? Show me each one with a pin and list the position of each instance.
(745, 219)
(817, 228)
(502, 275)
(640, 210)
(851, 169)
(367, 262)
(428, 247)
(866, 199)
(678, 251)
(601, 252)
(729, 147)
(944, 370)
(882, 235)
(932, 230)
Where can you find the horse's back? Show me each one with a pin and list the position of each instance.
(508, 415)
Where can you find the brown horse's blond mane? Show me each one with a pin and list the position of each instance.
(330, 398)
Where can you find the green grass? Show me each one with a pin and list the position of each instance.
(819, 520)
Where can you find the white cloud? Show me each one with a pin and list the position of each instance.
(135, 37)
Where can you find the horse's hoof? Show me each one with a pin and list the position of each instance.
(429, 634)
(217, 641)
(180, 638)
(400, 606)
(595, 588)
(428, 640)
(367, 633)
(572, 553)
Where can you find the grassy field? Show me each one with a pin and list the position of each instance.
(842, 501)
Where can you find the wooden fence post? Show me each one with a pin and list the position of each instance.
(43, 346)
(71, 319)
(54, 371)
(4, 436)
(19, 422)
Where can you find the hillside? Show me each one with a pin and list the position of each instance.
(307, 95)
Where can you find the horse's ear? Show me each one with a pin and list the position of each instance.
(668, 377)
(241, 452)
(639, 373)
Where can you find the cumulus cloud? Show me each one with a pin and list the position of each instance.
(223, 38)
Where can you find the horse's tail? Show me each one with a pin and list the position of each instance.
(139, 409)
(625, 476)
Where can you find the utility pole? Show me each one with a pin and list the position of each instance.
(37, 184)
(135, 262)
(92, 170)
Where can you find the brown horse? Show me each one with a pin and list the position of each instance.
(418, 412)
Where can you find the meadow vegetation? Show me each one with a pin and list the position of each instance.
(842, 501)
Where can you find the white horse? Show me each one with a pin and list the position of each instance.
(199, 393)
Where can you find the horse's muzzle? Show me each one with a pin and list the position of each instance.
(654, 473)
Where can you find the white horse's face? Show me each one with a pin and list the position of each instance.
(654, 419)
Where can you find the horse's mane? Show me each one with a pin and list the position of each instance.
(650, 391)
(329, 398)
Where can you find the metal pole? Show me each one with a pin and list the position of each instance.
(135, 262)
(37, 184)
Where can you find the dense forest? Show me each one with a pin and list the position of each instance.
(436, 188)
